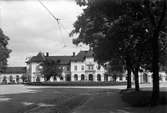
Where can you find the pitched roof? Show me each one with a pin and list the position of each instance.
(82, 55)
(38, 58)
(62, 59)
(14, 70)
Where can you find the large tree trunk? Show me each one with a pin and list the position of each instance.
(129, 84)
(155, 48)
(136, 75)
(155, 68)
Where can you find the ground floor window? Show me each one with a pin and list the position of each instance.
(105, 77)
(90, 77)
(98, 77)
(82, 77)
(76, 77)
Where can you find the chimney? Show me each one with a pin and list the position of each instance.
(47, 54)
(73, 54)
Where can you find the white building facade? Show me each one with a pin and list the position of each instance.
(79, 68)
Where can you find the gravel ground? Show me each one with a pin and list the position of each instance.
(51, 99)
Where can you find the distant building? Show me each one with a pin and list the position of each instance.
(80, 67)
(12, 75)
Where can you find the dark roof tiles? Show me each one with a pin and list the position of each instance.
(14, 70)
(63, 59)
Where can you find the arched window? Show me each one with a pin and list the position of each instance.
(82, 77)
(75, 77)
(90, 77)
(98, 77)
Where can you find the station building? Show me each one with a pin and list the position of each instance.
(81, 67)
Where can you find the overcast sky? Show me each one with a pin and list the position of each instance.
(31, 29)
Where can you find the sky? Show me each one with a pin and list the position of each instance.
(31, 29)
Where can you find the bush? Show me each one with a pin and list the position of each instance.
(76, 83)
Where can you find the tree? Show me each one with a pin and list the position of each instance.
(107, 25)
(4, 51)
(131, 29)
(51, 68)
(156, 15)
(94, 24)
(24, 78)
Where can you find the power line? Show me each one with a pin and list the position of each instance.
(57, 19)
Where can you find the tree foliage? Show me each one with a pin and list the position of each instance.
(51, 68)
(4, 51)
(129, 30)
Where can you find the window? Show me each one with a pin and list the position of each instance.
(105, 77)
(75, 68)
(76, 77)
(98, 77)
(90, 67)
(82, 67)
(90, 77)
(82, 77)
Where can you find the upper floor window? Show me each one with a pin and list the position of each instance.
(90, 67)
(82, 67)
(75, 68)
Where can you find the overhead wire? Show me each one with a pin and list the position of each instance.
(57, 20)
